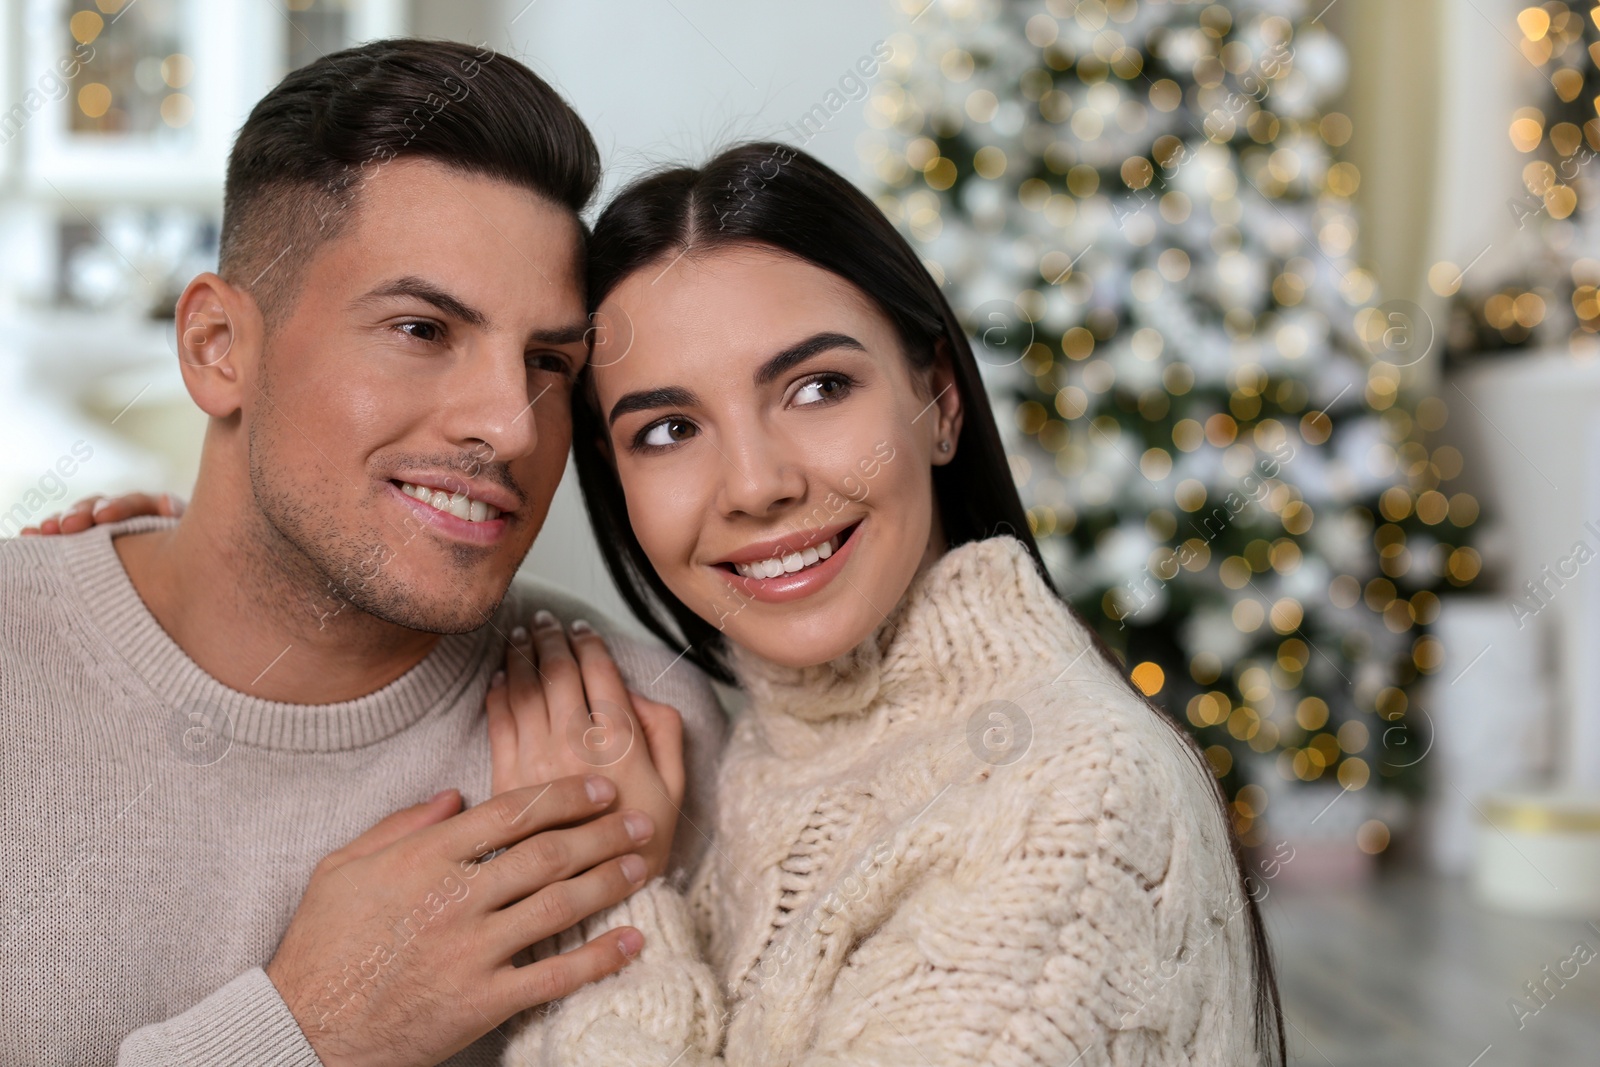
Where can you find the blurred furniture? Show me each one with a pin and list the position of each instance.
(1523, 425)
(1539, 852)
(1487, 722)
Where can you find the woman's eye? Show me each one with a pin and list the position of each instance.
(667, 432)
(817, 390)
(422, 331)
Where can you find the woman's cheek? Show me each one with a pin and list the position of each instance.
(666, 515)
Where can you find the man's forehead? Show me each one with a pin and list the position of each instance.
(495, 247)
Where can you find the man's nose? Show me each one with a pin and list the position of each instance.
(488, 401)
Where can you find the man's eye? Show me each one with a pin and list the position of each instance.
(667, 432)
(550, 362)
(422, 331)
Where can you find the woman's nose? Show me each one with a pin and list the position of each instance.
(759, 477)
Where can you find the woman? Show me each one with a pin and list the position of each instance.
(948, 830)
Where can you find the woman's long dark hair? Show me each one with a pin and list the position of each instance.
(772, 196)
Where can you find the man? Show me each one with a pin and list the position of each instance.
(205, 718)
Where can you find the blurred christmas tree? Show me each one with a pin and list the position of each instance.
(1138, 206)
(1554, 297)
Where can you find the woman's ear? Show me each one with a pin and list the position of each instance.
(946, 403)
(219, 334)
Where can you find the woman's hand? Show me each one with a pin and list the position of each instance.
(561, 708)
(98, 510)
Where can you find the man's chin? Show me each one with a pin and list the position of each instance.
(453, 611)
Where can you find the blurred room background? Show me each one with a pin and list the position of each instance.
(1291, 312)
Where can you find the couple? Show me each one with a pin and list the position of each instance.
(944, 830)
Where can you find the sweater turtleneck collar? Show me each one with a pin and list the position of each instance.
(979, 615)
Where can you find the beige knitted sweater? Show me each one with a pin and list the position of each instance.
(967, 842)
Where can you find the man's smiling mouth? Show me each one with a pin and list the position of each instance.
(460, 505)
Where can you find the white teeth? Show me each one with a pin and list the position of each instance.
(790, 563)
(460, 505)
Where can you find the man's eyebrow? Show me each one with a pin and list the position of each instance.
(455, 307)
(561, 335)
(804, 350)
(670, 396)
(427, 292)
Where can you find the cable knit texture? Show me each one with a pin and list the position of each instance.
(147, 881)
(966, 842)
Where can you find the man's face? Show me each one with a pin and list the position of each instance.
(419, 384)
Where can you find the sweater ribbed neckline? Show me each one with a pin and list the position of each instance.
(118, 617)
(978, 617)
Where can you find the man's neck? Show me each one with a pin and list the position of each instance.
(245, 617)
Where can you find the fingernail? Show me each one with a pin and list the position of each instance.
(599, 788)
(498, 678)
(639, 826)
(581, 626)
(440, 795)
(174, 505)
(630, 941)
(633, 869)
(543, 618)
(99, 506)
(518, 635)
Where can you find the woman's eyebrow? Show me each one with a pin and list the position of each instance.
(670, 396)
(804, 350)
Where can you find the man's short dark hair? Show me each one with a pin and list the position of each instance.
(302, 155)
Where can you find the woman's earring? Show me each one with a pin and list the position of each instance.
(944, 446)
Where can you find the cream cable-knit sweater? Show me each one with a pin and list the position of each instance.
(966, 842)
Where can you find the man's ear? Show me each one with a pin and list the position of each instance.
(219, 340)
(947, 402)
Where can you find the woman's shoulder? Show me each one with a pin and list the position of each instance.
(1087, 750)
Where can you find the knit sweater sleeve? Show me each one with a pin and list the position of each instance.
(664, 1004)
(1077, 923)
(244, 1022)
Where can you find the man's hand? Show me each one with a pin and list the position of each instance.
(401, 949)
(562, 708)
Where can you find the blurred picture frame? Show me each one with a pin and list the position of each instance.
(142, 97)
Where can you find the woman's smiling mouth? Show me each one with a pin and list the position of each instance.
(790, 563)
(792, 567)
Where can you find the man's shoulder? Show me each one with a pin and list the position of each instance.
(37, 576)
(24, 560)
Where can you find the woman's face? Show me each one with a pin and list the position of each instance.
(775, 446)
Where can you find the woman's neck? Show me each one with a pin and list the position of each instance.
(977, 619)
